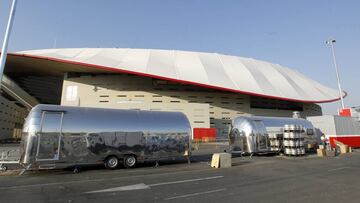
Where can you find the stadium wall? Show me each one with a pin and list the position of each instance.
(204, 107)
(11, 119)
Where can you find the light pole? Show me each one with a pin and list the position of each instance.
(6, 40)
(331, 41)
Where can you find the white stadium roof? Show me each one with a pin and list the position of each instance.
(211, 70)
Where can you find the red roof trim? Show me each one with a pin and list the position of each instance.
(171, 79)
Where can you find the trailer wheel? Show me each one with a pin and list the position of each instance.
(3, 168)
(129, 161)
(112, 162)
(76, 169)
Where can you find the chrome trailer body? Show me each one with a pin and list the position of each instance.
(250, 134)
(60, 136)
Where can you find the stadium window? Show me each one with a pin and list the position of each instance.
(264, 103)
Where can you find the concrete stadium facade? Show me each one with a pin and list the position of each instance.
(11, 118)
(205, 108)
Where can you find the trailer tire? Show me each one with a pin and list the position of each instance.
(129, 161)
(111, 162)
(3, 168)
(76, 169)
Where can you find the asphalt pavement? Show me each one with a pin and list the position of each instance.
(256, 179)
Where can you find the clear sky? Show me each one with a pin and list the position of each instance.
(290, 33)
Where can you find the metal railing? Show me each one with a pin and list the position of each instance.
(9, 157)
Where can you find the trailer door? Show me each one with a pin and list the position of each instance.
(49, 138)
(261, 136)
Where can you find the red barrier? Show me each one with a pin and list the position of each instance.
(345, 112)
(204, 133)
(351, 141)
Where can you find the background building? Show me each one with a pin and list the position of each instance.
(211, 89)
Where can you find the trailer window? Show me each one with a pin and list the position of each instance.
(309, 131)
(48, 145)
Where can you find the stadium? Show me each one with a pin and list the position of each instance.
(210, 88)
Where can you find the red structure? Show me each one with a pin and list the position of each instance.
(345, 112)
(204, 134)
(350, 140)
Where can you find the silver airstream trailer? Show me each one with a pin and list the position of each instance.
(59, 137)
(250, 134)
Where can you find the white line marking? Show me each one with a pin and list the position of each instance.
(157, 174)
(141, 186)
(186, 181)
(337, 169)
(49, 184)
(196, 194)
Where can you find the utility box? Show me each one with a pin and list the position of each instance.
(321, 152)
(221, 160)
(344, 149)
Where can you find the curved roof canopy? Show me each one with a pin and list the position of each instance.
(211, 70)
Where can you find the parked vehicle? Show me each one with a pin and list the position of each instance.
(250, 134)
(60, 136)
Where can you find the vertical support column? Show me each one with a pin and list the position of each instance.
(6, 40)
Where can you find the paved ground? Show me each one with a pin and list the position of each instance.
(260, 179)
